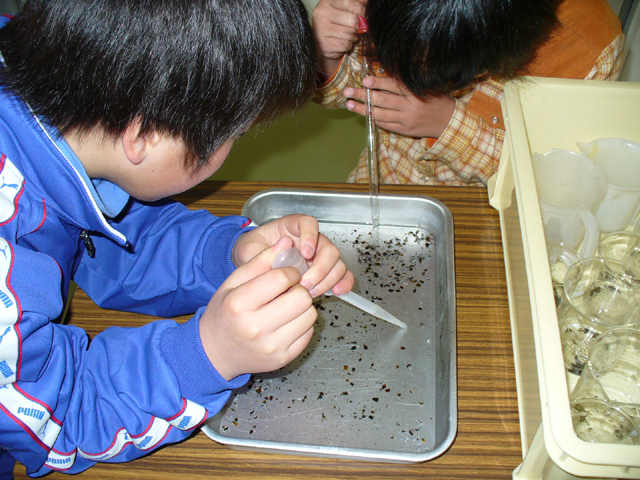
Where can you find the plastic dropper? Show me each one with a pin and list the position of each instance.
(291, 257)
(366, 47)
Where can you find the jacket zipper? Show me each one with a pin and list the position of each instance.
(88, 243)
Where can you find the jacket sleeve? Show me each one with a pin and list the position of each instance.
(65, 404)
(175, 261)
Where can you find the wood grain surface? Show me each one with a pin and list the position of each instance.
(487, 445)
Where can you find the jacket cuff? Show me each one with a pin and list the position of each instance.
(217, 261)
(198, 379)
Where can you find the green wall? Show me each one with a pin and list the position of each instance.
(313, 145)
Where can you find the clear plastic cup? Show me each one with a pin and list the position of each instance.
(599, 294)
(606, 399)
(623, 246)
(597, 421)
(613, 370)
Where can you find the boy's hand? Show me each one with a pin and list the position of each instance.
(326, 271)
(335, 25)
(260, 318)
(398, 110)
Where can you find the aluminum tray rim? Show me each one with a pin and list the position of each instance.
(354, 453)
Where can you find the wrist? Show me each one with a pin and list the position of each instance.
(447, 109)
(198, 378)
(327, 67)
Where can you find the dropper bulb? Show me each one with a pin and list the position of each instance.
(364, 25)
(291, 257)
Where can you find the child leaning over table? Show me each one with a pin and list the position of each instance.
(107, 107)
(440, 121)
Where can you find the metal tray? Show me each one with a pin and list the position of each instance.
(363, 389)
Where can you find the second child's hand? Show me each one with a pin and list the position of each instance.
(398, 110)
(335, 26)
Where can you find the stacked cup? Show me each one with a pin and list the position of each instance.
(599, 294)
(605, 403)
(598, 298)
(599, 318)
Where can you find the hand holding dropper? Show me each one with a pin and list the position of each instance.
(291, 257)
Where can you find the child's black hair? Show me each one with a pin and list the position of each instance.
(203, 71)
(444, 45)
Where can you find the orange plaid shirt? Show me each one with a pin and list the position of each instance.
(468, 151)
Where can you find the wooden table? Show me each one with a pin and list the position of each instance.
(488, 440)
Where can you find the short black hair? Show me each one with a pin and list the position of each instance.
(203, 71)
(444, 45)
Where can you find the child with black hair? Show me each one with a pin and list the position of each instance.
(441, 73)
(106, 108)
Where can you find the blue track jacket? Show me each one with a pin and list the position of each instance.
(65, 402)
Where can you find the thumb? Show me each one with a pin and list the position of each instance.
(259, 264)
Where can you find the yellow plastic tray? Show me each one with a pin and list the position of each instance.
(541, 114)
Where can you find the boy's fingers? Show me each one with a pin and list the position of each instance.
(306, 228)
(261, 291)
(339, 274)
(356, 107)
(385, 84)
(258, 265)
(325, 261)
(309, 231)
(298, 346)
(354, 6)
(345, 285)
(292, 313)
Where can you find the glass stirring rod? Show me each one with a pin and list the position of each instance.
(291, 257)
(366, 47)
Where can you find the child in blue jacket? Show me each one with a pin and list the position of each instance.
(107, 107)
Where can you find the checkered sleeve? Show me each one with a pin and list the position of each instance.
(608, 66)
(329, 93)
